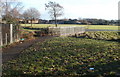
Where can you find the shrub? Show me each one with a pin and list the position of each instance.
(27, 34)
(42, 32)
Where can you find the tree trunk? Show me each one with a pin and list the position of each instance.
(25, 21)
(55, 21)
(31, 22)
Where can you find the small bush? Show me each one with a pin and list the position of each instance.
(42, 32)
(27, 35)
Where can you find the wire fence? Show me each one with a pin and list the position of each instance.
(65, 31)
(9, 33)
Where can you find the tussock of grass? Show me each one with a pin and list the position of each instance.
(101, 35)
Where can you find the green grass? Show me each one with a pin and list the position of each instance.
(106, 27)
(30, 30)
(48, 25)
(68, 56)
(101, 35)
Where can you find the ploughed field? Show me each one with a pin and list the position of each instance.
(86, 55)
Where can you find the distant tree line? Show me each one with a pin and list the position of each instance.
(82, 21)
(100, 21)
(77, 21)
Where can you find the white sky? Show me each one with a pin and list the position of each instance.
(101, 9)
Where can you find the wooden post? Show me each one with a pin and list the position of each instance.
(6, 41)
(11, 33)
(1, 41)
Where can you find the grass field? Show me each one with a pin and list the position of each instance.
(106, 27)
(68, 56)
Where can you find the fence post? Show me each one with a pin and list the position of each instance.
(1, 41)
(6, 41)
(18, 36)
(11, 33)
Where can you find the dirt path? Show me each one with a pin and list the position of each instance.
(13, 51)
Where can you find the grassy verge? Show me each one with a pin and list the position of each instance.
(106, 27)
(49, 25)
(101, 35)
(67, 56)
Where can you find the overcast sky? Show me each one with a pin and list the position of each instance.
(101, 9)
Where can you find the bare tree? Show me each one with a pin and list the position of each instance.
(0, 11)
(31, 14)
(11, 11)
(25, 17)
(55, 10)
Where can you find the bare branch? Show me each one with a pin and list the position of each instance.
(11, 11)
(31, 14)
